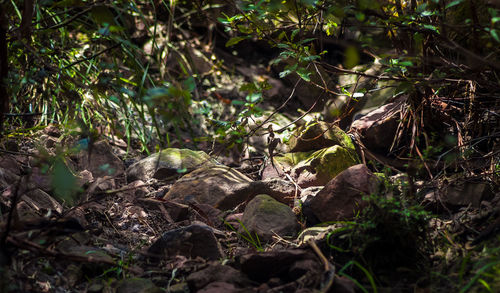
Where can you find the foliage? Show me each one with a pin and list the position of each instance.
(127, 67)
(63, 182)
(430, 48)
(252, 239)
(389, 233)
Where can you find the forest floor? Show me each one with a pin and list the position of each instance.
(77, 217)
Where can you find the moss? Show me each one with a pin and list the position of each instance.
(184, 157)
(294, 158)
(343, 139)
(334, 160)
(269, 205)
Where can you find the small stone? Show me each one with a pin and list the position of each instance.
(266, 217)
(191, 241)
(217, 273)
(52, 130)
(266, 265)
(137, 285)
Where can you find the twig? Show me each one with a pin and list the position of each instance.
(78, 258)
(328, 267)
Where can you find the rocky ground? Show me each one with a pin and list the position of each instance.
(180, 221)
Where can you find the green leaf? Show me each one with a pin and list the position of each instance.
(288, 70)
(453, 3)
(304, 74)
(254, 97)
(309, 2)
(64, 182)
(360, 16)
(494, 34)
(283, 46)
(189, 84)
(306, 41)
(309, 58)
(405, 63)
(431, 27)
(235, 40)
(237, 102)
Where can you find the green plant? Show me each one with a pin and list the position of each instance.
(368, 275)
(388, 233)
(480, 272)
(247, 236)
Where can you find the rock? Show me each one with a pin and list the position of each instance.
(178, 288)
(456, 196)
(225, 188)
(309, 192)
(51, 142)
(223, 287)
(85, 178)
(265, 217)
(176, 212)
(283, 191)
(102, 162)
(191, 241)
(101, 260)
(207, 185)
(11, 145)
(73, 274)
(52, 130)
(167, 163)
(134, 190)
(378, 128)
(234, 221)
(323, 165)
(341, 198)
(217, 273)
(137, 285)
(266, 265)
(41, 201)
(41, 179)
(318, 135)
(7, 184)
(343, 284)
(10, 163)
(208, 214)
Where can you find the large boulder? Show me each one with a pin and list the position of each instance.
(265, 217)
(225, 188)
(167, 163)
(342, 198)
(321, 166)
(208, 185)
